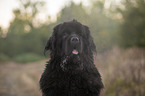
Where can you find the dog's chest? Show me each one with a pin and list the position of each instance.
(69, 81)
(67, 84)
(72, 82)
(72, 85)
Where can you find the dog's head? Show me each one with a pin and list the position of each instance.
(70, 40)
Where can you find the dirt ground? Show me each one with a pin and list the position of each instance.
(20, 79)
(122, 73)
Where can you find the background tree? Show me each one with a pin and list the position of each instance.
(132, 29)
(102, 27)
(23, 36)
(73, 11)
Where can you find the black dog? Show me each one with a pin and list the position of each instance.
(71, 70)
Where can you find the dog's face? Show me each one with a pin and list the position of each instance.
(70, 40)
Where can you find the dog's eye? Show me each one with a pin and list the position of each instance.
(80, 34)
(65, 34)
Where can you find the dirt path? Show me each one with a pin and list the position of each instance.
(20, 79)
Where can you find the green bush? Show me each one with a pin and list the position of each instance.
(3, 58)
(27, 57)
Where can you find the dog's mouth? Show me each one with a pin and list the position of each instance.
(75, 52)
(72, 48)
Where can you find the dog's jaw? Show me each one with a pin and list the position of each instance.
(72, 62)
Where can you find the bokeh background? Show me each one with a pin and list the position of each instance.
(117, 26)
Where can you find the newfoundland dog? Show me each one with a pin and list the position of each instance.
(71, 70)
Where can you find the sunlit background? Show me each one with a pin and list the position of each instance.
(117, 26)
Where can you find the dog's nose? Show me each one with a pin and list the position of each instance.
(75, 40)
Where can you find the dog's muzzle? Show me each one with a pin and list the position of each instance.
(75, 43)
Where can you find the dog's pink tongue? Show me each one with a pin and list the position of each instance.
(75, 52)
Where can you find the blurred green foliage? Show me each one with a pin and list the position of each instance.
(27, 57)
(26, 34)
(3, 58)
(23, 36)
(132, 28)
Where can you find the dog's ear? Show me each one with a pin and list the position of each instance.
(50, 45)
(90, 39)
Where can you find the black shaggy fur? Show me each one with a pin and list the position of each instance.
(69, 72)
